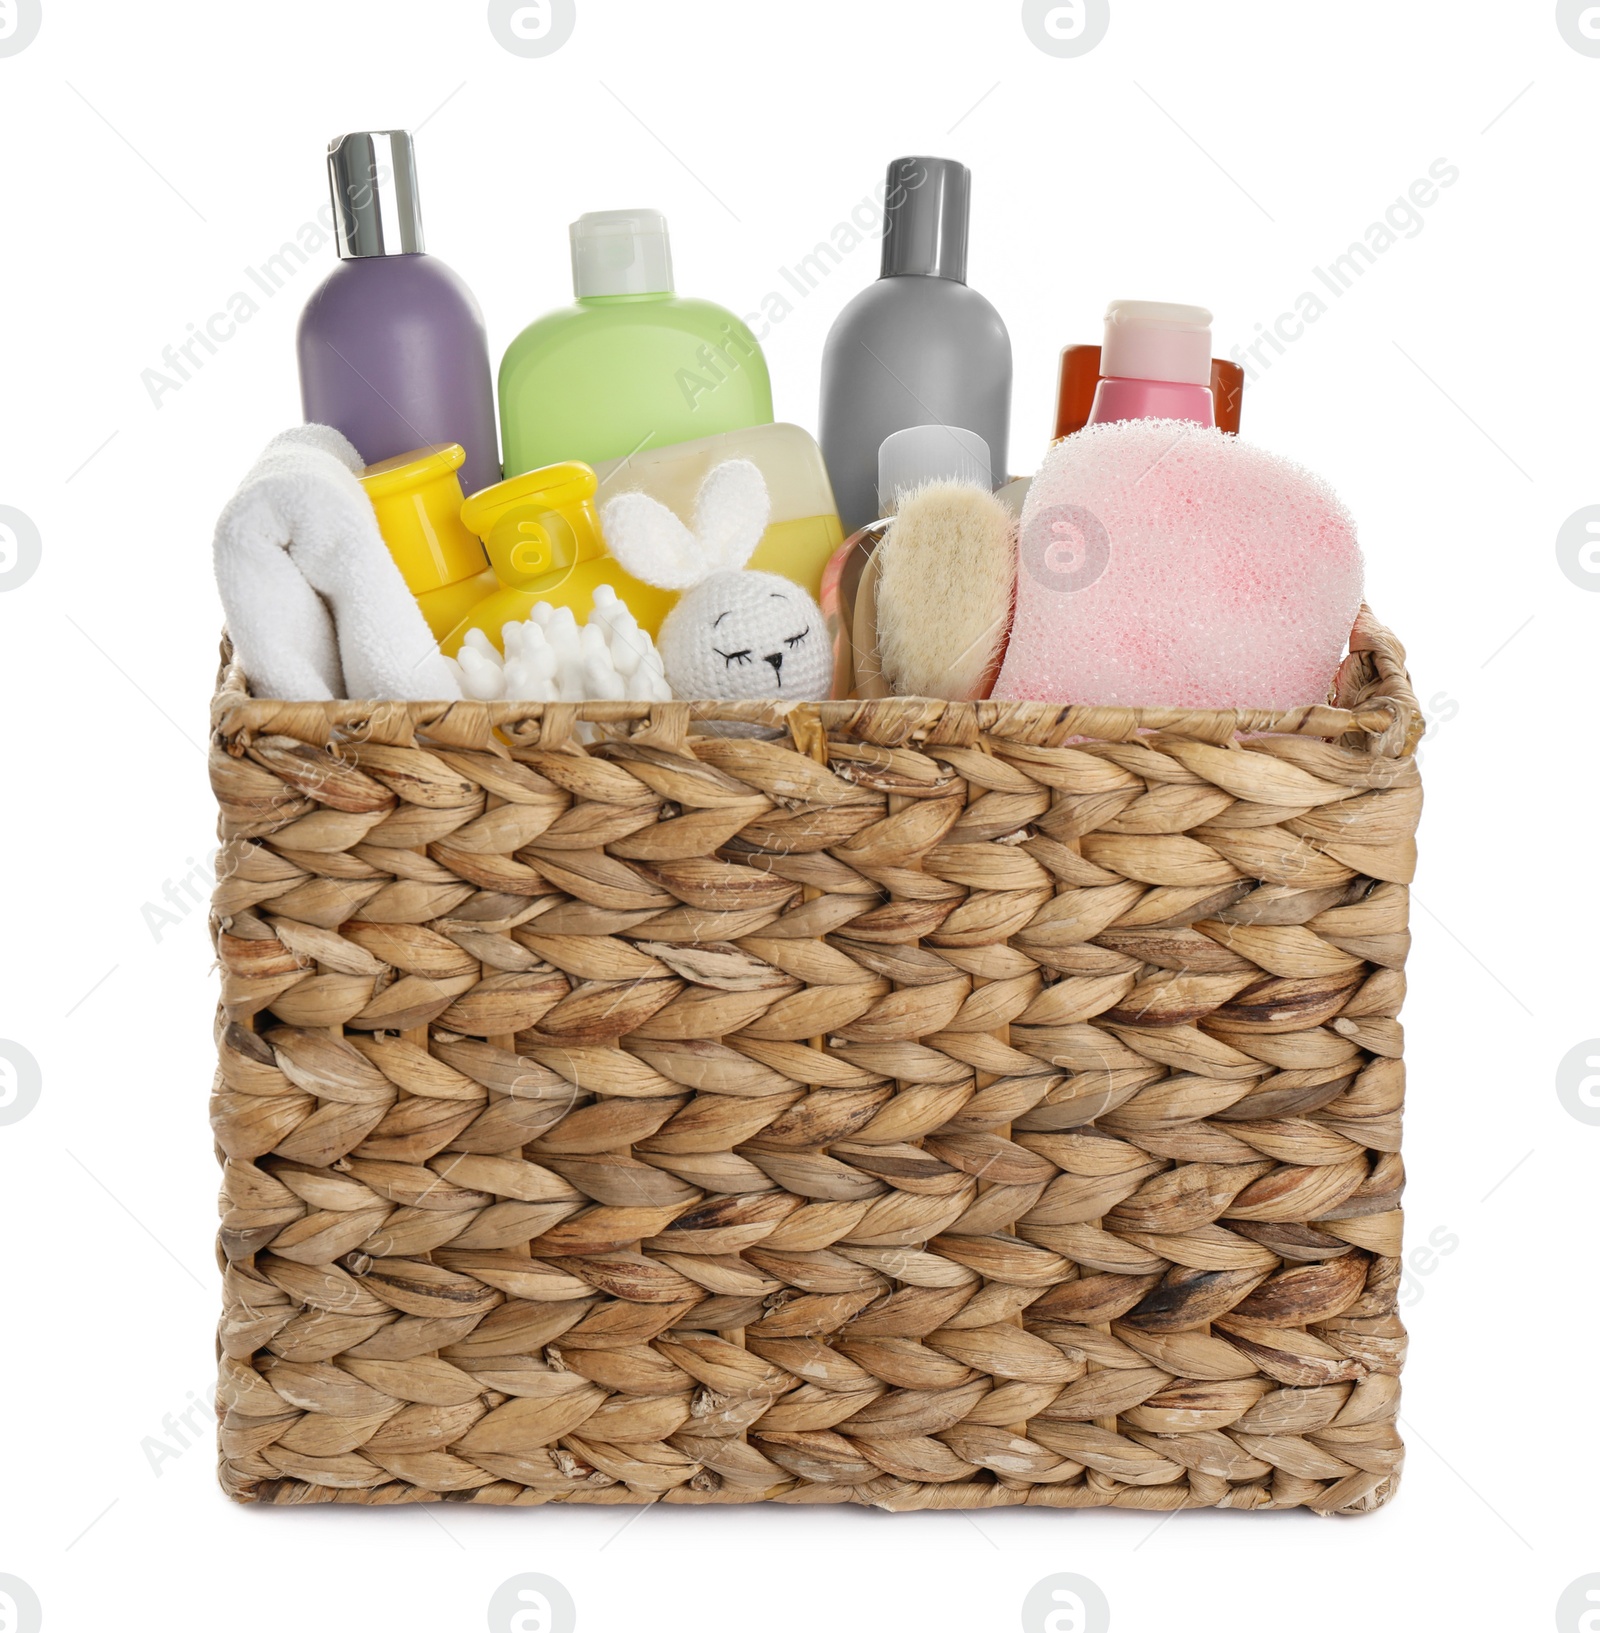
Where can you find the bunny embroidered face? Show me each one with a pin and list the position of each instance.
(733, 634)
(746, 635)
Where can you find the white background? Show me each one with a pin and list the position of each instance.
(1202, 152)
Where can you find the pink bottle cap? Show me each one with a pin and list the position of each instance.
(1154, 340)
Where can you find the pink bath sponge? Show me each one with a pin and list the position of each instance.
(1166, 563)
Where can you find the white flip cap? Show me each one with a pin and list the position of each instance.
(621, 252)
(930, 453)
(1154, 340)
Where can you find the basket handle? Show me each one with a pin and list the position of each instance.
(1374, 677)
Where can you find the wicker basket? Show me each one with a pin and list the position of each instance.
(943, 1106)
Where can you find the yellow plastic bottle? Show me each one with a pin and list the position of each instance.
(804, 530)
(544, 542)
(417, 497)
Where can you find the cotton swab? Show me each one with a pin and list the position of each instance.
(550, 658)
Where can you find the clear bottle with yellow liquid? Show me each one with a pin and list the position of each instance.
(804, 530)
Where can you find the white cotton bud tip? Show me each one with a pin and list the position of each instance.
(482, 678)
(552, 658)
(601, 681)
(642, 655)
(526, 684)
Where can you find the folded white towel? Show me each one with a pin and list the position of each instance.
(315, 604)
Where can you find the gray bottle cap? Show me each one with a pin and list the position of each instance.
(373, 174)
(925, 219)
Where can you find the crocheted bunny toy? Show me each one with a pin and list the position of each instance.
(734, 633)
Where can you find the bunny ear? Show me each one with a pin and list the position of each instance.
(731, 514)
(651, 543)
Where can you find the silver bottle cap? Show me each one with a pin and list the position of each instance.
(373, 174)
(925, 219)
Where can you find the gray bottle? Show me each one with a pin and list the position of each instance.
(918, 347)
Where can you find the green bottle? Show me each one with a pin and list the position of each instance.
(629, 365)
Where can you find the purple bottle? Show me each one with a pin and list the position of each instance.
(392, 345)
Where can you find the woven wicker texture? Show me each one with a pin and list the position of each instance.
(938, 1106)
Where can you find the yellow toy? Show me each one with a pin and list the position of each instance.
(417, 497)
(488, 561)
(544, 542)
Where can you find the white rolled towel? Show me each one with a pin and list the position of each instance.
(315, 604)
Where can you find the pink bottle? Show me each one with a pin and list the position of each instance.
(1155, 364)
(1162, 562)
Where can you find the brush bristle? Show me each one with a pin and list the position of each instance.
(946, 575)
